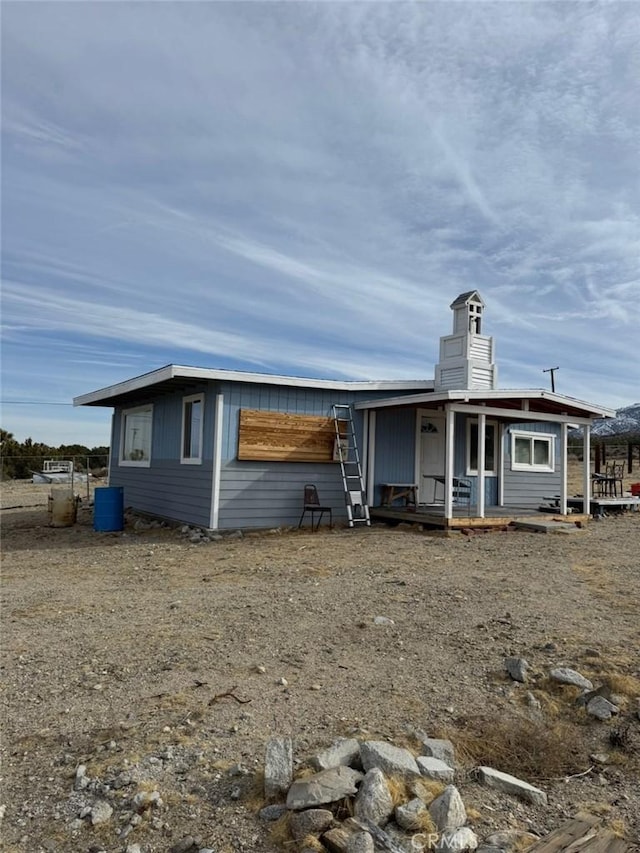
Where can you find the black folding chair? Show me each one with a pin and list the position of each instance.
(312, 506)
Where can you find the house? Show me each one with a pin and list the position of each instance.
(224, 449)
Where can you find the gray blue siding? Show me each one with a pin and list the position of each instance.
(395, 448)
(269, 494)
(167, 488)
(528, 488)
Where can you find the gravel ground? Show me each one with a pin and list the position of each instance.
(140, 656)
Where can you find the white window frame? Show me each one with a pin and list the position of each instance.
(134, 463)
(191, 460)
(550, 438)
(473, 472)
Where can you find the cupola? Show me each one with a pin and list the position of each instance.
(466, 356)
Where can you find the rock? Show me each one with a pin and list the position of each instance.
(433, 768)
(564, 675)
(185, 845)
(121, 781)
(601, 708)
(374, 800)
(382, 620)
(324, 787)
(412, 815)
(533, 702)
(235, 793)
(100, 812)
(282, 682)
(360, 842)
(587, 695)
(457, 840)
(310, 822)
(81, 779)
(600, 757)
(146, 800)
(278, 767)
(273, 812)
(447, 811)
(511, 839)
(439, 748)
(517, 668)
(344, 751)
(392, 760)
(511, 785)
(336, 840)
(391, 839)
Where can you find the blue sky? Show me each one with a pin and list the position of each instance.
(305, 187)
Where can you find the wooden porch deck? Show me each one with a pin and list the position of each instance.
(432, 515)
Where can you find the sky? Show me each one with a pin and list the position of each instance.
(304, 188)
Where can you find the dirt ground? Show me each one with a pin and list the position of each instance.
(139, 655)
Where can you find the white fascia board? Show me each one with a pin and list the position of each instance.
(173, 371)
(138, 382)
(488, 396)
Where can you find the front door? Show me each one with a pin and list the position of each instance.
(432, 450)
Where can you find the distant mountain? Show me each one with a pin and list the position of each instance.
(626, 422)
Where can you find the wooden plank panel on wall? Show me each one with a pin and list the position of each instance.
(276, 436)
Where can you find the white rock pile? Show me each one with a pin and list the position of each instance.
(372, 795)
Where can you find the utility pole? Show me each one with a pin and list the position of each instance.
(552, 371)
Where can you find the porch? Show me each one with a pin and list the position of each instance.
(434, 516)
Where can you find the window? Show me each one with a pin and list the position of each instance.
(135, 438)
(532, 451)
(490, 445)
(192, 409)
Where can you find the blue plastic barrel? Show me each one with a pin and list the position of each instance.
(108, 508)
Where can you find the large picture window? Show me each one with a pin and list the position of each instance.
(135, 439)
(532, 451)
(490, 447)
(192, 422)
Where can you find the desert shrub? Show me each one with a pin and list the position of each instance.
(531, 749)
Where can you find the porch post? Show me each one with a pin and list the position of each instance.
(217, 462)
(586, 455)
(448, 461)
(371, 460)
(563, 468)
(482, 429)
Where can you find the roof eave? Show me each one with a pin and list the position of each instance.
(468, 396)
(107, 396)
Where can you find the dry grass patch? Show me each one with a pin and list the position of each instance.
(280, 832)
(520, 746)
(426, 789)
(625, 685)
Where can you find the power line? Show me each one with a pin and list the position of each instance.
(33, 403)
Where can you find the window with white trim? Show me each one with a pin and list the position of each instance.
(135, 436)
(490, 447)
(532, 451)
(192, 423)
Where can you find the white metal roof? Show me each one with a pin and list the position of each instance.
(105, 396)
(488, 396)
